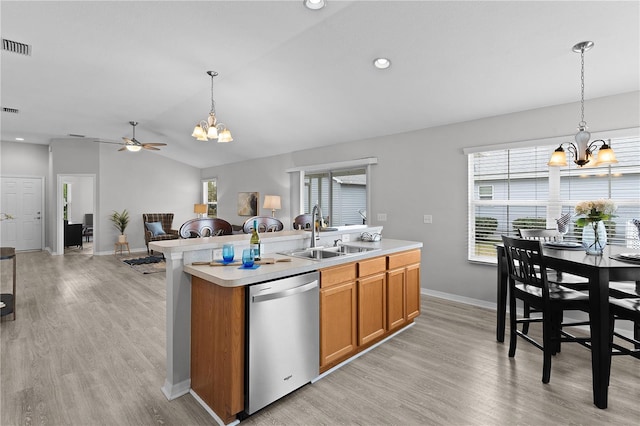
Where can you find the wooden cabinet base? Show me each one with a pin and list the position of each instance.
(217, 346)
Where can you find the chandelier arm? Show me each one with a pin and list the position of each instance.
(572, 148)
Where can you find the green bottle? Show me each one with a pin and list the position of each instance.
(254, 243)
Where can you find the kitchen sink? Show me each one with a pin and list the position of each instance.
(320, 253)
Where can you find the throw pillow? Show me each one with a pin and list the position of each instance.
(155, 228)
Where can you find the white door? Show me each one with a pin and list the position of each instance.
(22, 199)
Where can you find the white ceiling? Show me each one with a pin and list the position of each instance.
(291, 78)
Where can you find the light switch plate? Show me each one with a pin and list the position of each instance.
(382, 217)
(428, 218)
(346, 238)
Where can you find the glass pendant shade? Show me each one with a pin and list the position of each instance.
(225, 136)
(197, 131)
(558, 158)
(606, 156)
(212, 133)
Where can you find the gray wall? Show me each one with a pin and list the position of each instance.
(266, 176)
(425, 172)
(140, 182)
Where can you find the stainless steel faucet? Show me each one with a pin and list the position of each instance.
(316, 210)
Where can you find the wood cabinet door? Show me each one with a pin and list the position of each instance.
(337, 322)
(413, 291)
(396, 308)
(372, 308)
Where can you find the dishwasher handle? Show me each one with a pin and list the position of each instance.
(285, 293)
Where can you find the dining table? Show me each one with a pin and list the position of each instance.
(599, 270)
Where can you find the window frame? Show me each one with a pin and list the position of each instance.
(205, 196)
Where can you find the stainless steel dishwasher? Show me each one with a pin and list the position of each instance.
(282, 338)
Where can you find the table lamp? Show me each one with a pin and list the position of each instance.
(200, 209)
(272, 202)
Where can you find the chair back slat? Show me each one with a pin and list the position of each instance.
(525, 262)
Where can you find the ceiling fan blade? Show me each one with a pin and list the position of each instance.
(123, 148)
(154, 144)
(129, 141)
(150, 148)
(104, 141)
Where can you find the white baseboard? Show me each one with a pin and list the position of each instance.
(173, 391)
(625, 328)
(210, 411)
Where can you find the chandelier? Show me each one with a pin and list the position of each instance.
(210, 129)
(583, 151)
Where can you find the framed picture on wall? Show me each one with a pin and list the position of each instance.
(248, 203)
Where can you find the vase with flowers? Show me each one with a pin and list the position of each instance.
(594, 233)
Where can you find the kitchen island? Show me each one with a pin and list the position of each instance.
(225, 286)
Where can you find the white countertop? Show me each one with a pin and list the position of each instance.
(234, 276)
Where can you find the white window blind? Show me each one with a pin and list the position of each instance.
(529, 194)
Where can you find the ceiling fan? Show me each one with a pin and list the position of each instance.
(134, 145)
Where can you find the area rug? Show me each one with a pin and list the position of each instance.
(147, 265)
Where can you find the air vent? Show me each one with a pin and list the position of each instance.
(16, 47)
(11, 110)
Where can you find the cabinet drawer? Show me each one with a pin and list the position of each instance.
(371, 266)
(403, 259)
(337, 275)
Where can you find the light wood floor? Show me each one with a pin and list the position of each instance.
(87, 348)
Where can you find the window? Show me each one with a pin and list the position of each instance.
(514, 188)
(485, 192)
(210, 196)
(341, 195)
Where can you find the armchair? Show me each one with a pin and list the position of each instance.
(166, 221)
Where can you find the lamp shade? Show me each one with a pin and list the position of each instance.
(558, 158)
(200, 208)
(272, 202)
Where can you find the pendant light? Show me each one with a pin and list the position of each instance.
(210, 129)
(582, 150)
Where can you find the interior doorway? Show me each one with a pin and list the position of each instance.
(76, 206)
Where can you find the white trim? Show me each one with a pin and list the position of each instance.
(334, 166)
(210, 411)
(556, 140)
(174, 391)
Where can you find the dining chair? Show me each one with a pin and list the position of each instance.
(528, 282)
(625, 309)
(556, 277)
(302, 221)
(264, 223)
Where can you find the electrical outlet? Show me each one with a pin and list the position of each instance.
(428, 218)
(382, 217)
(217, 254)
(346, 238)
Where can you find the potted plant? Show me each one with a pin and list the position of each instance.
(120, 221)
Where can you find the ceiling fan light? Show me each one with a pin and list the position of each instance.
(225, 136)
(134, 148)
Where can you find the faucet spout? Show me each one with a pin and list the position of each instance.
(314, 236)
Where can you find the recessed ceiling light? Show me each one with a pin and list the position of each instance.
(19, 139)
(381, 63)
(315, 4)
